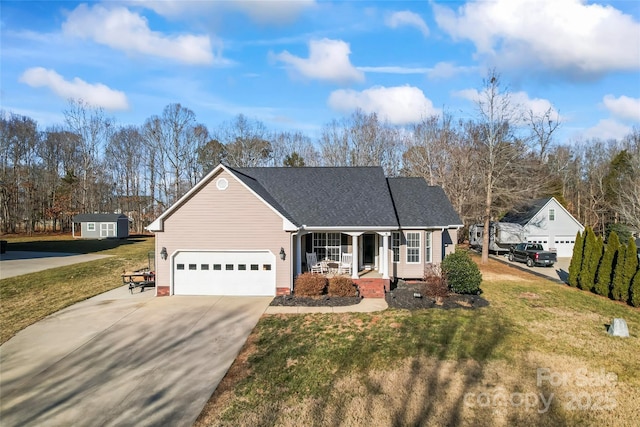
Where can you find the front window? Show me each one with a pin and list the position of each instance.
(427, 247)
(395, 246)
(91, 226)
(413, 248)
(552, 214)
(327, 246)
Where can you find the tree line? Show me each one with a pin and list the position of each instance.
(486, 165)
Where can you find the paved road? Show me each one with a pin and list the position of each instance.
(16, 263)
(125, 360)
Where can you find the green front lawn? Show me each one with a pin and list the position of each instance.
(28, 298)
(539, 354)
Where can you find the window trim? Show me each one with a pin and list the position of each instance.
(395, 249)
(428, 247)
(321, 247)
(91, 226)
(413, 248)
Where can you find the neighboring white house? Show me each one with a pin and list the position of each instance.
(547, 222)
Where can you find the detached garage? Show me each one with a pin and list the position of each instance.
(224, 273)
(549, 223)
(101, 226)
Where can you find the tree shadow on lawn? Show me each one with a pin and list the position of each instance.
(435, 381)
(72, 247)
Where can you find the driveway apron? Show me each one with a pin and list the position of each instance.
(122, 359)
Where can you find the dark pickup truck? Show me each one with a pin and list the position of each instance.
(532, 254)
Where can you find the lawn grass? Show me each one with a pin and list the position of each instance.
(437, 367)
(28, 298)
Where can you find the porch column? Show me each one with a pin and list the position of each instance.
(355, 251)
(298, 254)
(385, 254)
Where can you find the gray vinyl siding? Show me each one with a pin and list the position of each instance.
(90, 234)
(230, 219)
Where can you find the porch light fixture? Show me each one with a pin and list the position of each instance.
(163, 253)
(282, 254)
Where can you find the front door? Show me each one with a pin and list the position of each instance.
(369, 250)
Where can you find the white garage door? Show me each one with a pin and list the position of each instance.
(224, 273)
(564, 245)
(543, 240)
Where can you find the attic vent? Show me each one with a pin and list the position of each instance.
(222, 184)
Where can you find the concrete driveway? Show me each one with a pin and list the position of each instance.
(122, 359)
(559, 272)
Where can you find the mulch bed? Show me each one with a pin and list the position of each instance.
(323, 301)
(404, 298)
(397, 298)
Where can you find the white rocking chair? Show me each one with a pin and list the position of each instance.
(346, 262)
(313, 266)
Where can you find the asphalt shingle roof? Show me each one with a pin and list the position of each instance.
(325, 196)
(99, 217)
(525, 212)
(349, 197)
(421, 205)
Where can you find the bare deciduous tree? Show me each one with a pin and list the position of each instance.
(93, 129)
(246, 142)
(501, 156)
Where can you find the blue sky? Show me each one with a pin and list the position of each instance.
(296, 65)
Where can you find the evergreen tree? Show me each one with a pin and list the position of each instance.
(576, 260)
(634, 298)
(605, 271)
(594, 262)
(618, 288)
(630, 268)
(590, 260)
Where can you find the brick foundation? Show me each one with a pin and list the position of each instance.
(372, 288)
(162, 291)
(282, 291)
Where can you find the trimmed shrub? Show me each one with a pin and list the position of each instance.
(590, 260)
(340, 286)
(605, 271)
(630, 267)
(576, 261)
(435, 284)
(619, 290)
(461, 273)
(634, 290)
(309, 285)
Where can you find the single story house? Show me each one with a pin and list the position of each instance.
(101, 226)
(247, 231)
(547, 222)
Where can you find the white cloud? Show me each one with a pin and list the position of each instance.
(445, 70)
(97, 95)
(399, 105)
(398, 19)
(328, 60)
(624, 107)
(264, 12)
(607, 129)
(566, 36)
(124, 30)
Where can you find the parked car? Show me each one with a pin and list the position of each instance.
(532, 254)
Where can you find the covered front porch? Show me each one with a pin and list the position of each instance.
(367, 253)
